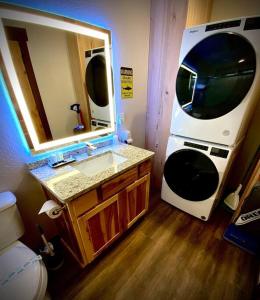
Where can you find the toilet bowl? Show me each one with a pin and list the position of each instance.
(23, 274)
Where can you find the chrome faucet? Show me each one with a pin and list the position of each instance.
(90, 148)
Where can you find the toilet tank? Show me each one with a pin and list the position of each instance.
(11, 224)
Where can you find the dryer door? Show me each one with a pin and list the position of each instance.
(191, 175)
(216, 75)
(96, 80)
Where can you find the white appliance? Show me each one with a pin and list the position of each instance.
(218, 81)
(98, 124)
(96, 83)
(194, 174)
(22, 273)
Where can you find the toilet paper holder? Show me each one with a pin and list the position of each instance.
(52, 209)
(58, 210)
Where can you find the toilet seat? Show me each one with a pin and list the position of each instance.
(22, 273)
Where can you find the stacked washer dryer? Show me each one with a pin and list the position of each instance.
(96, 82)
(217, 88)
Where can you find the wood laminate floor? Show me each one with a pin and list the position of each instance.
(167, 255)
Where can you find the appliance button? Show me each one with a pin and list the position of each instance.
(226, 132)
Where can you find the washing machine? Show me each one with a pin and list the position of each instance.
(96, 83)
(218, 80)
(194, 174)
(98, 124)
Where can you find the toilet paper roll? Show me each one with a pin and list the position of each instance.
(52, 209)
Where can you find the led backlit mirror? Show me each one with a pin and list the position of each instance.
(59, 75)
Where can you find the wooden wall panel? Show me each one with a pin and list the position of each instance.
(168, 18)
(27, 90)
(199, 12)
(253, 179)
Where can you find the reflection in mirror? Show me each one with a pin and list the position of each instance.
(63, 78)
(215, 75)
(190, 77)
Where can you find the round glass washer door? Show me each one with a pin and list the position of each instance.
(191, 175)
(216, 75)
(96, 80)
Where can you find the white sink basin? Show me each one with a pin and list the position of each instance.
(95, 165)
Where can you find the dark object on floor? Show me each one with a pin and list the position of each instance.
(245, 231)
(237, 236)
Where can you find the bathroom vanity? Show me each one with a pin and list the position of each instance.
(102, 195)
(99, 205)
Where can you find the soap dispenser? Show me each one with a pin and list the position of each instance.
(124, 134)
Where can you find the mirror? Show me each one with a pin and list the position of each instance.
(60, 75)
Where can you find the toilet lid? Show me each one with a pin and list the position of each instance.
(20, 273)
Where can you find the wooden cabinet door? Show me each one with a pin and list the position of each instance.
(134, 201)
(100, 227)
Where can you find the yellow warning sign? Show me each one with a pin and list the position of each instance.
(126, 82)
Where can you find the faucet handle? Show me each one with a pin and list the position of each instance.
(90, 146)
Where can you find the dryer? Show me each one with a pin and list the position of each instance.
(97, 124)
(194, 175)
(96, 84)
(218, 81)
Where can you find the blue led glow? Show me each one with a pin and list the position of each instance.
(116, 77)
(62, 149)
(71, 147)
(15, 121)
(76, 11)
(103, 138)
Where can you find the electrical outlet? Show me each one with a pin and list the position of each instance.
(122, 118)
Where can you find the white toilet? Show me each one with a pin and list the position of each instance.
(23, 274)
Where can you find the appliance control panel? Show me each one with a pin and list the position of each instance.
(196, 146)
(219, 152)
(222, 25)
(97, 123)
(252, 23)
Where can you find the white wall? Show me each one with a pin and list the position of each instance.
(129, 22)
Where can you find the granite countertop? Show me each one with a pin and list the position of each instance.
(67, 183)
